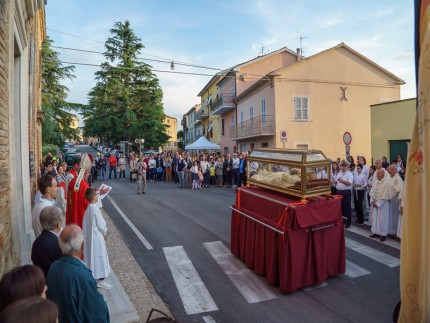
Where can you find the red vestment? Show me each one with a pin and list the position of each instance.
(76, 202)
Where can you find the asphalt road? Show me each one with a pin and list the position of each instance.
(185, 255)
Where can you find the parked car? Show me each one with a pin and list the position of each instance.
(69, 157)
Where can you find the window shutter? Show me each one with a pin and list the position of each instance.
(297, 109)
(305, 108)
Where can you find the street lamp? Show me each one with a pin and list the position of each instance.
(140, 142)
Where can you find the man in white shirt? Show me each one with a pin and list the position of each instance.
(49, 189)
(235, 170)
(344, 182)
(360, 184)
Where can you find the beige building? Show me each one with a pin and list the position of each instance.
(172, 131)
(235, 81)
(392, 124)
(315, 100)
(22, 29)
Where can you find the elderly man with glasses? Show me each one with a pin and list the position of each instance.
(344, 180)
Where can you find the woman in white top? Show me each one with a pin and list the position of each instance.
(334, 172)
(205, 170)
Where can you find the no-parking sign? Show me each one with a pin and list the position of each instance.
(283, 135)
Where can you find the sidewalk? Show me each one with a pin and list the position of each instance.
(132, 295)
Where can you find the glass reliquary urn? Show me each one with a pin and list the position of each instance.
(302, 173)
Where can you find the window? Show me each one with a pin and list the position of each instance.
(241, 116)
(264, 145)
(222, 127)
(232, 120)
(251, 112)
(263, 110)
(232, 87)
(301, 109)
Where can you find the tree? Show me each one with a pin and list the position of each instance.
(58, 116)
(126, 102)
(180, 136)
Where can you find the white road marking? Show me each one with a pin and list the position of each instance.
(208, 319)
(193, 292)
(354, 271)
(365, 233)
(372, 253)
(135, 230)
(246, 281)
(308, 289)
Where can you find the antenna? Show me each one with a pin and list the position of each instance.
(301, 48)
(262, 50)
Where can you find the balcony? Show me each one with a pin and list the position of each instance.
(255, 127)
(223, 104)
(202, 114)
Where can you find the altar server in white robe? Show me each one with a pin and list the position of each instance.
(94, 229)
(397, 183)
(380, 195)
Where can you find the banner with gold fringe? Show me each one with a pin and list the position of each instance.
(415, 246)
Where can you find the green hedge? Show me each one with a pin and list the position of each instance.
(49, 148)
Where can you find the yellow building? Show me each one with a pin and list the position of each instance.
(315, 100)
(392, 125)
(172, 131)
(207, 124)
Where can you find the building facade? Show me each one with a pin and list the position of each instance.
(223, 114)
(188, 125)
(392, 124)
(22, 30)
(172, 131)
(316, 100)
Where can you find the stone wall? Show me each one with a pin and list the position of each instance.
(15, 227)
(8, 257)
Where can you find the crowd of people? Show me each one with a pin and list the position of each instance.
(380, 186)
(189, 170)
(70, 264)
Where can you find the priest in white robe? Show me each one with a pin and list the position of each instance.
(380, 195)
(95, 251)
(397, 184)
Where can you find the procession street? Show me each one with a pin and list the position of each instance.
(181, 239)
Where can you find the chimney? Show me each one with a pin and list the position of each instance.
(299, 55)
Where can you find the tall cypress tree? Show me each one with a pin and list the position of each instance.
(59, 113)
(126, 102)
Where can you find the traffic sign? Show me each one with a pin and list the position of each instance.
(347, 138)
(283, 135)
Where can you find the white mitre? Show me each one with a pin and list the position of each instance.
(85, 165)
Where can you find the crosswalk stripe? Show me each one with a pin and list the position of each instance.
(354, 271)
(193, 292)
(318, 286)
(208, 319)
(366, 233)
(372, 253)
(246, 281)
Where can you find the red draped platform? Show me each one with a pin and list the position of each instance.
(293, 245)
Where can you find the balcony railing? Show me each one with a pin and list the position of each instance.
(202, 114)
(223, 104)
(259, 126)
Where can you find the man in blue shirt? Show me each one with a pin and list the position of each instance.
(71, 284)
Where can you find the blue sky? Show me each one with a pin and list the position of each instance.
(223, 33)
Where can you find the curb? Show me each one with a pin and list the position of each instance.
(133, 280)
